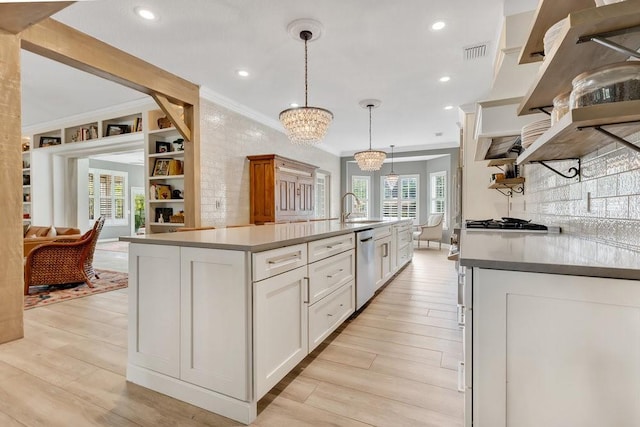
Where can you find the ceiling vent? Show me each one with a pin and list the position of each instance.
(475, 51)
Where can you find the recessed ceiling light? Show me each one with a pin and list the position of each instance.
(294, 105)
(449, 107)
(438, 25)
(145, 13)
(243, 73)
(444, 79)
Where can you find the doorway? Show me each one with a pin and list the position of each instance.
(136, 213)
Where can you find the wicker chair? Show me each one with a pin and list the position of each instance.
(88, 262)
(63, 262)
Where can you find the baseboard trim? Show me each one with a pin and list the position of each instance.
(244, 412)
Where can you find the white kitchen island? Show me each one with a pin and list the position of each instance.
(218, 317)
(551, 331)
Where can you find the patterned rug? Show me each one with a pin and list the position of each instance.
(41, 296)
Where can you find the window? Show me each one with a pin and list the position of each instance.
(400, 201)
(108, 196)
(323, 190)
(439, 195)
(360, 186)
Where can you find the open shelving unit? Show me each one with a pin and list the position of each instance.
(591, 37)
(26, 188)
(163, 144)
(571, 57)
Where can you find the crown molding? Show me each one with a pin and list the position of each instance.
(252, 114)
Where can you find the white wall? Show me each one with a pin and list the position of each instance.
(227, 138)
(478, 201)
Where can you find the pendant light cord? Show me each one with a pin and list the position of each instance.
(370, 107)
(305, 73)
(392, 159)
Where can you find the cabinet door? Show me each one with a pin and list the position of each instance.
(215, 300)
(154, 288)
(285, 194)
(280, 331)
(554, 350)
(305, 197)
(383, 261)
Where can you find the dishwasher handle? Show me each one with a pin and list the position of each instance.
(366, 240)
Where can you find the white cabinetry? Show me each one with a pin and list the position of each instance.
(154, 308)
(383, 269)
(402, 246)
(214, 304)
(326, 315)
(554, 350)
(280, 327)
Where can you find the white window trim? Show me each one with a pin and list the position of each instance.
(416, 220)
(367, 202)
(432, 176)
(327, 195)
(96, 182)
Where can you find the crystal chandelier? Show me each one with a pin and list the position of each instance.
(370, 160)
(392, 178)
(306, 125)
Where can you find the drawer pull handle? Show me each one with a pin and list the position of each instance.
(331, 276)
(460, 315)
(286, 260)
(337, 245)
(461, 376)
(306, 298)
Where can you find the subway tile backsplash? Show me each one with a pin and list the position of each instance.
(227, 138)
(602, 206)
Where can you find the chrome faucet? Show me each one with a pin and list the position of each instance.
(343, 213)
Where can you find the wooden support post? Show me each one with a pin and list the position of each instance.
(11, 279)
(192, 193)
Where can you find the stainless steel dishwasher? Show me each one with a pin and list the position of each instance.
(365, 267)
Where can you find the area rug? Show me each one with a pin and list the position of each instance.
(41, 296)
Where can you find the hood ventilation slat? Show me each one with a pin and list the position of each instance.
(475, 51)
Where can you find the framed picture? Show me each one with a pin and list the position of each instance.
(161, 167)
(163, 147)
(163, 191)
(117, 129)
(48, 141)
(163, 214)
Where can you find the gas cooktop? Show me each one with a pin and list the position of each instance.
(505, 224)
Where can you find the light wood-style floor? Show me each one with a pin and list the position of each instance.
(392, 365)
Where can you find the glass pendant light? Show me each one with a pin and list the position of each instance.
(306, 125)
(370, 160)
(392, 178)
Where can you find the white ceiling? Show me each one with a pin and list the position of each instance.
(369, 49)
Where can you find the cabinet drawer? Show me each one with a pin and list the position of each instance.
(404, 253)
(327, 314)
(329, 274)
(276, 261)
(404, 237)
(381, 232)
(324, 248)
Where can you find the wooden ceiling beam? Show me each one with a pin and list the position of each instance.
(16, 17)
(61, 43)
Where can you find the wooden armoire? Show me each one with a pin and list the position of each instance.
(281, 189)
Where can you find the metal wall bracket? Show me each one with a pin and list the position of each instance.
(509, 193)
(542, 110)
(603, 39)
(573, 171)
(617, 138)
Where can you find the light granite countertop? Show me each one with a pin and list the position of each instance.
(260, 237)
(547, 253)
